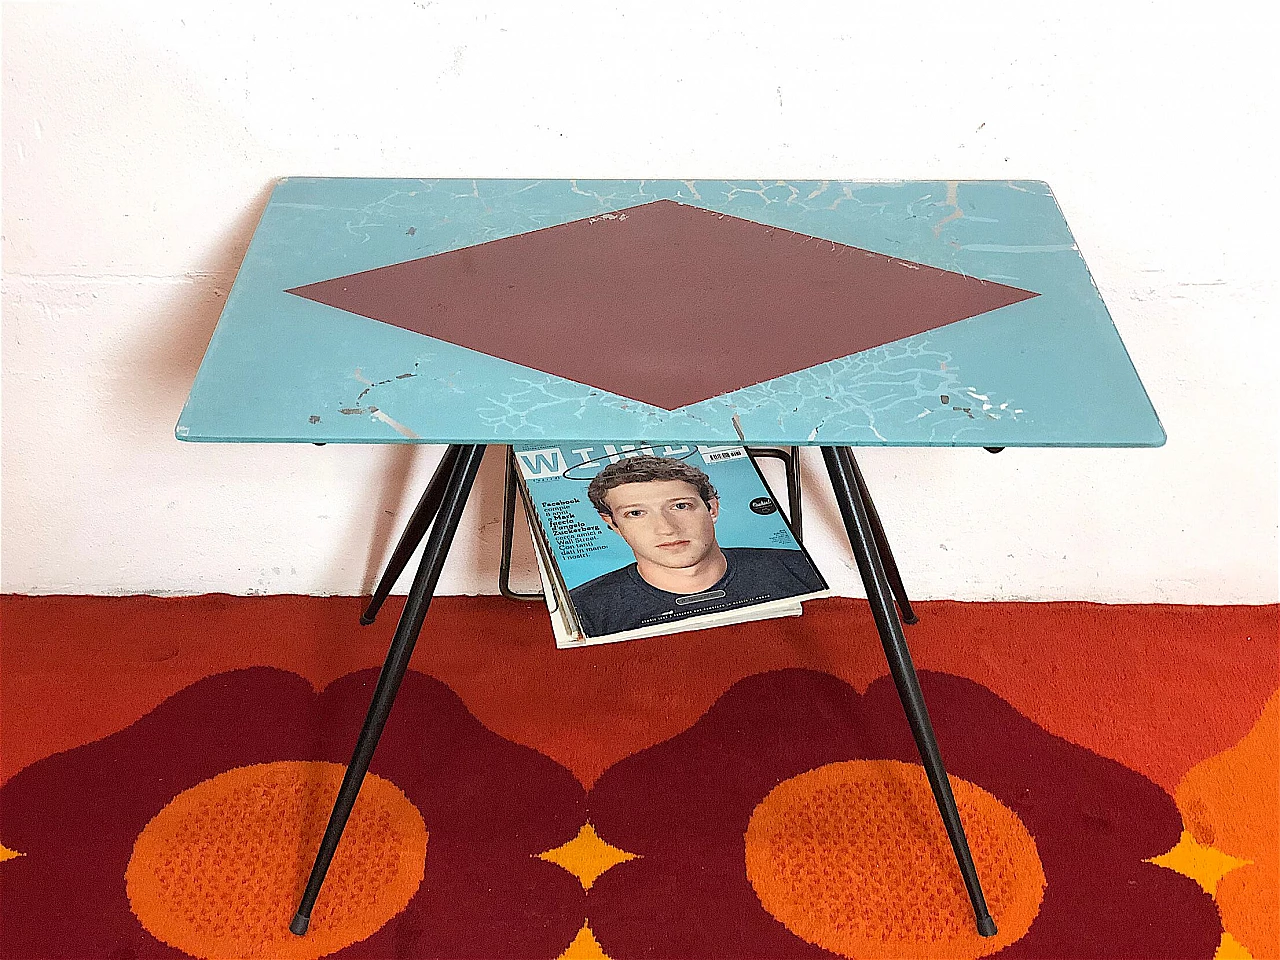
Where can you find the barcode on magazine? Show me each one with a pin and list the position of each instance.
(727, 455)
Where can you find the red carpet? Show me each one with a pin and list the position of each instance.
(750, 791)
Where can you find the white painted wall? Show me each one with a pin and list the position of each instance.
(139, 144)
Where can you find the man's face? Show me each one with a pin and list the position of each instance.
(664, 522)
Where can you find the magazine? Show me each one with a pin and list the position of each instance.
(635, 540)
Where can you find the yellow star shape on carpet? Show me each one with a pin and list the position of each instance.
(586, 856)
(585, 946)
(7, 854)
(1229, 948)
(1205, 865)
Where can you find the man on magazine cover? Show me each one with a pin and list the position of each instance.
(666, 511)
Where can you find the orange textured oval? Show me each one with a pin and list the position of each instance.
(853, 857)
(219, 871)
(1229, 801)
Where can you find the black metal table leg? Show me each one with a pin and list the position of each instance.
(420, 521)
(858, 526)
(509, 497)
(790, 457)
(453, 499)
(793, 493)
(882, 541)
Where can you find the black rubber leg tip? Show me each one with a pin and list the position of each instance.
(909, 621)
(298, 927)
(366, 619)
(986, 926)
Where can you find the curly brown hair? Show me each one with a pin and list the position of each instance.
(644, 469)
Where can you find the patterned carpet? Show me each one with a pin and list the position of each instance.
(168, 766)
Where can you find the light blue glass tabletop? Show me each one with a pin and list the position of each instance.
(765, 312)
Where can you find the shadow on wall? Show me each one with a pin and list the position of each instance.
(170, 354)
(407, 469)
(396, 500)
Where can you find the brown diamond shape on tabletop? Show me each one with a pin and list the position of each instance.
(664, 303)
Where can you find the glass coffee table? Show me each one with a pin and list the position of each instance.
(770, 314)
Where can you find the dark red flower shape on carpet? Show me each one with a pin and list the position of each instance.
(690, 807)
(489, 807)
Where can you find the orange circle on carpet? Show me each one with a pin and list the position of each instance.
(853, 857)
(219, 871)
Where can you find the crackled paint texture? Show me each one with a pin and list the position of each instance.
(1048, 371)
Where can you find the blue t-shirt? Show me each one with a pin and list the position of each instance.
(623, 600)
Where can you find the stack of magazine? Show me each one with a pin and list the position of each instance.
(636, 540)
